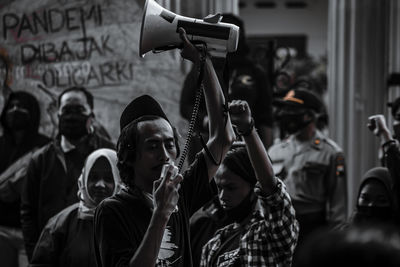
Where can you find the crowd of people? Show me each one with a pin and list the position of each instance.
(80, 200)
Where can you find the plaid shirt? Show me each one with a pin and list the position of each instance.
(268, 239)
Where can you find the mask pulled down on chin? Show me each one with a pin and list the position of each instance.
(240, 212)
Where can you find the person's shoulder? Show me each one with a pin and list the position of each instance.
(103, 142)
(280, 147)
(43, 150)
(118, 203)
(199, 162)
(42, 140)
(115, 202)
(330, 145)
(63, 217)
(209, 212)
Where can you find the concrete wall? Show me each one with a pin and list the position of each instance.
(311, 21)
(55, 44)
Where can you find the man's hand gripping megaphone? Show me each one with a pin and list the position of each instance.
(194, 53)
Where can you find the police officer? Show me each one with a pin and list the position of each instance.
(311, 165)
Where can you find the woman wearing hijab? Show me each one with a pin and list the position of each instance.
(20, 121)
(67, 239)
(376, 201)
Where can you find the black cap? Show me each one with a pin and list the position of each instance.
(138, 107)
(300, 98)
(394, 106)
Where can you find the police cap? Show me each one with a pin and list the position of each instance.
(302, 99)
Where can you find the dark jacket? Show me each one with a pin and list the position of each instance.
(66, 241)
(382, 175)
(11, 151)
(49, 188)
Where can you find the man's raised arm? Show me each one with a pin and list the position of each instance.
(221, 134)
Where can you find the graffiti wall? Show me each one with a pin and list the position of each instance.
(49, 45)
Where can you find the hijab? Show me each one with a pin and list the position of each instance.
(87, 205)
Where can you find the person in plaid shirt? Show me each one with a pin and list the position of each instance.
(267, 233)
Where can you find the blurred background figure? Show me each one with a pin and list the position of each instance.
(67, 239)
(390, 157)
(310, 164)
(248, 81)
(376, 201)
(20, 121)
(355, 247)
(377, 124)
(242, 79)
(395, 111)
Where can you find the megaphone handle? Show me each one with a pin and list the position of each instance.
(216, 53)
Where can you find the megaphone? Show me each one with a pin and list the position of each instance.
(159, 31)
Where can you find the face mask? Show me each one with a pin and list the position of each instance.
(17, 119)
(293, 123)
(368, 214)
(73, 126)
(241, 211)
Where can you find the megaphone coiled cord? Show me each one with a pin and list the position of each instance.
(195, 111)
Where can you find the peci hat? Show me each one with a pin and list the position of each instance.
(300, 98)
(138, 107)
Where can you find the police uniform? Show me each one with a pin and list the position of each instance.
(315, 178)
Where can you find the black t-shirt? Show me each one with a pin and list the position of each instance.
(228, 254)
(121, 222)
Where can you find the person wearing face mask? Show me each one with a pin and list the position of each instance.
(220, 212)
(51, 181)
(252, 221)
(235, 203)
(389, 139)
(311, 165)
(20, 121)
(376, 200)
(67, 239)
(389, 147)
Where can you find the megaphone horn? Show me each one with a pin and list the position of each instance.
(159, 31)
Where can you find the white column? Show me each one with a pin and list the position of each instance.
(172, 5)
(357, 69)
(223, 6)
(200, 9)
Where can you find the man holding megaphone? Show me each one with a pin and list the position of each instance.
(141, 225)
